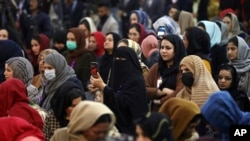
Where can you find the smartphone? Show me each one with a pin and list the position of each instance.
(94, 69)
(161, 32)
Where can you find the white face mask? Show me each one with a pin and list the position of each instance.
(50, 74)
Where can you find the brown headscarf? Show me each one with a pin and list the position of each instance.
(80, 41)
(181, 112)
(203, 84)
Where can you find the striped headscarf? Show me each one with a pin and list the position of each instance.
(204, 83)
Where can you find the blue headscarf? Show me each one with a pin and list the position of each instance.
(143, 18)
(171, 26)
(213, 31)
(8, 49)
(221, 111)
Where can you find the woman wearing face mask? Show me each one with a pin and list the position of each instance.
(163, 81)
(198, 82)
(56, 72)
(79, 57)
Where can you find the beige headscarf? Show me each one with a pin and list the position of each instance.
(136, 47)
(185, 20)
(203, 84)
(83, 117)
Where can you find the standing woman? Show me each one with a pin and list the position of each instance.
(79, 57)
(126, 96)
(163, 81)
(110, 45)
(238, 54)
(38, 44)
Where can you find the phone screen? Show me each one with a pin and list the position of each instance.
(94, 68)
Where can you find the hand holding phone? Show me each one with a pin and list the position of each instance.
(94, 69)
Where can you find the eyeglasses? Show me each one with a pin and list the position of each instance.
(227, 78)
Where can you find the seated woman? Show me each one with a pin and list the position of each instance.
(56, 72)
(8, 49)
(164, 79)
(197, 42)
(89, 121)
(21, 68)
(62, 104)
(221, 111)
(238, 54)
(18, 129)
(15, 103)
(126, 95)
(154, 127)
(183, 126)
(198, 82)
(227, 79)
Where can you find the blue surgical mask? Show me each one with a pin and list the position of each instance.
(71, 45)
(49, 74)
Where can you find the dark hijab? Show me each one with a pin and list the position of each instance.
(156, 126)
(107, 59)
(199, 42)
(169, 74)
(123, 67)
(8, 49)
(240, 97)
(63, 98)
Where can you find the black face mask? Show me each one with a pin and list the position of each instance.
(187, 79)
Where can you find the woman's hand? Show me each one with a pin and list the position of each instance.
(97, 82)
(92, 88)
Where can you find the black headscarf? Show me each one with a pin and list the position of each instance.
(156, 126)
(239, 96)
(168, 75)
(107, 59)
(8, 49)
(198, 42)
(60, 36)
(63, 98)
(122, 69)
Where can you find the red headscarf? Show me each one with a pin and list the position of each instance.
(142, 34)
(15, 129)
(14, 102)
(225, 11)
(44, 44)
(100, 38)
